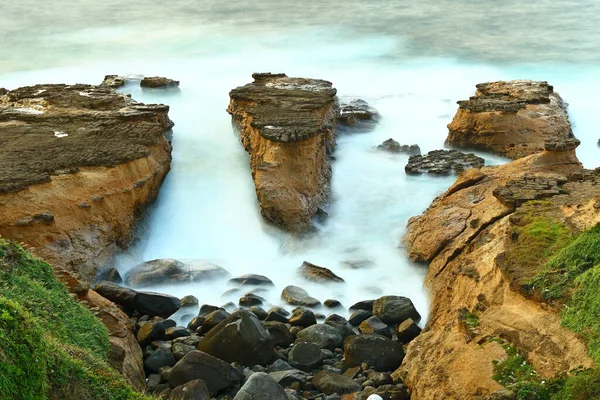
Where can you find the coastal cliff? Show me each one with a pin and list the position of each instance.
(510, 118)
(287, 127)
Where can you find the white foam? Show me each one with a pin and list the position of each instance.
(60, 134)
(27, 110)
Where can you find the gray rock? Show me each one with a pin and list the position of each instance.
(324, 335)
(189, 301)
(316, 273)
(120, 295)
(162, 271)
(259, 312)
(393, 146)
(252, 280)
(286, 378)
(302, 317)
(261, 386)
(329, 383)
(407, 331)
(395, 309)
(179, 350)
(176, 332)
(358, 316)
(305, 356)
(442, 162)
(280, 333)
(156, 304)
(374, 325)
(213, 319)
(279, 365)
(378, 351)
(161, 357)
(358, 115)
(298, 297)
(217, 374)
(112, 275)
(193, 390)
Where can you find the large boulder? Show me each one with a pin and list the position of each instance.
(118, 294)
(302, 317)
(324, 335)
(395, 309)
(158, 82)
(378, 351)
(193, 390)
(261, 386)
(305, 356)
(239, 338)
(314, 272)
(159, 358)
(164, 271)
(157, 304)
(331, 383)
(392, 146)
(252, 280)
(216, 373)
(297, 296)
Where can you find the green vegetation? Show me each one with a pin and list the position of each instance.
(51, 347)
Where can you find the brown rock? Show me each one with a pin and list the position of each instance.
(286, 125)
(513, 118)
(156, 82)
(313, 272)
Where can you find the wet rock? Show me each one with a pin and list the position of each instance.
(313, 272)
(324, 335)
(261, 386)
(259, 312)
(292, 121)
(189, 301)
(250, 299)
(150, 332)
(176, 332)
(395, 309)
(332, 303)
(280, 333)
(288, 378)
(442, 162)
(112, 275)
(252, 280)
(393, 146)
(217, 374)
(193, 390)
(162, 271)
(362, 305)
(526, 188)
(302, 317)
(120, 295)
(358, 316)
(305, 356)
(275, 316)
(157, 304)
(206, 309)
(375, 350)
(161, 357)
(329, 383)
(213, 319)
(358, 115)
(239, 338)
(280, 310)
(196, 323)
(407, 331)
(179, 350)
(279, 365)
(374, 325)
(157, 82)
(298, 297)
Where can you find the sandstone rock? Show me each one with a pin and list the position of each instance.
(261, 386)
(104, 159)
(120, 295)
(298, 297)
(313, 272)
(395, 309)
(305, 356)
(407, 331)
(519, 191)
(193, 390)
(326, 336)
(156, 82)
(394, 147)
(302, 317)
(286, 125)
(240, 338)
(378, 351)
(167, 270)
(513, 118)
(215, 373)
(252, 280)
(329, 383)
(442, 162)
(157, 304)
(358, 115)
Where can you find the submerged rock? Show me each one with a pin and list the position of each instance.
(286, 125)
(510, 118)
(252, 280)
(298, 297)
(394, 147)
(164, 271)
(358, 115)
(156, 82)
(113, 81)
(442, 162)
(314, 272)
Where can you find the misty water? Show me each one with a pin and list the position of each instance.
(411, 60)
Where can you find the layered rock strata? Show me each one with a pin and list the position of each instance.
(510, 118)
(78, 164)
(463, 236)
(287, 127)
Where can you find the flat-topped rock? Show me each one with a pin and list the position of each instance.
(287, 127)
(510, 118)
(158, 82)
(442, 162)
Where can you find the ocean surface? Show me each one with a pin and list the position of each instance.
(411, 60)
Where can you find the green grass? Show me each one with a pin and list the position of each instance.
(51, 347)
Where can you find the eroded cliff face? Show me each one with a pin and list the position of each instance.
(512, 119)
(78, 164)
(287, 127)
(464, 235)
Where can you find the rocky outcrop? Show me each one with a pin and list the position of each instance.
(512, 119)
(287, 127)
(442, 162)
(358, 116)
(463, 235)
(167, 270)
(158, 82)
(392, 146)
(78, 165)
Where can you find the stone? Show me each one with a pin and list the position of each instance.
(298, 297)
(162, 271)
(326, 336)
(383, 353)
(120, 295)
(516, 192)
(196, 323)
(161, 357)
(316, 273)
(252, 280)
(362, 305)
(275, 316)
(193, 390)
(239, 338)
(112, 275)
(280, 310)
(279, 365)
(358, 316)
(305, 356)
(215, 373)
(329, 383)
(374, 325)
(113, 81)
(392, 146)
(189, 301)
(206, 309)
(287, 127)
(280, 333)
(358, 115)
(261, 386)
(302, 317)
(503, 394)
(176, 332)
(150, 332)
(179, 350)
(250, 300)
(156, 82)
(259, 312)
(289, 377)
(442, 162)
(332, 303)
(510, 118)
(407, 331)
(213, 319)
(157, 304)
(395, 309)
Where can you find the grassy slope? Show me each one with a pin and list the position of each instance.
(51, 347)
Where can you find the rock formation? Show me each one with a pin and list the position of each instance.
(463, 236)
(78, 164)
(287, 127)
(442, 162)
(512, 119)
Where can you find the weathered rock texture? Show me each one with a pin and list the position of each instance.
(287, 127)
(513, 119)
(463, 235)
(78, 164)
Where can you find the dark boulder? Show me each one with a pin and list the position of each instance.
(112, 275)
(193, 390)
(176, 332)
(179, 350)
(120, 295)
(167, 270)
(252, 280)
(261, 386)
(195, 323)
(442, 162)
(395, 309)
(250, 300)
(324, 335)
(331, 303)
(279, 365)
(305, 356)
(161, 357)
(213, 319)
(287, 378)
(280, 333)
(298, 297)
(374, 325)
(259, 312)
(358, 316)
(358, 115)
(302, 317)
(158, 82)
(316, 273)
(331, 383)
(157, 304)
(149, 332)
(407, 331)
(378, 351)
(393, 146)
(363, 305)
(217, 374)
(189, 301)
